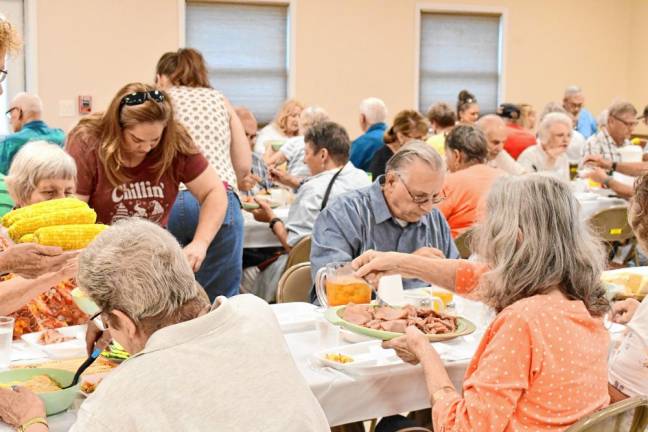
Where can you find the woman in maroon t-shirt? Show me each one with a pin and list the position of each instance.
(131, 161)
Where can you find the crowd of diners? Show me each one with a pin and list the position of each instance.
(167, 164)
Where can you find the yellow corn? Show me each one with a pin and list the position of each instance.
(27, 238)
(69, 216)
(75, 236)
(40, 208)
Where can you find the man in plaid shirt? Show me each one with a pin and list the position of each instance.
(621, 122)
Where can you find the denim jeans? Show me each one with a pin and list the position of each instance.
(220, 273)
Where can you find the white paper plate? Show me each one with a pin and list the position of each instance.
(64, 350)
(295, 317)
(368, 358)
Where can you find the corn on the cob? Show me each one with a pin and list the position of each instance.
(76, 236)
(27, 238)
(29, 225)
(40, 208)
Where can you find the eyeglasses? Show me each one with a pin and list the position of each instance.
(10, 110)
(138, 98)
(3, 75)
(422, 199)
(101, 323)
(627, 124)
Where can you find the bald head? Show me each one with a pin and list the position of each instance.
(24, 108)
(249, 124)
(495, 130)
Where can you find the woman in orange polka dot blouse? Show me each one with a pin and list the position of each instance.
(542, 363)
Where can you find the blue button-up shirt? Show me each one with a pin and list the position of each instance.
(586, 123)
(35, 130)
(360, 220)
(365, 146)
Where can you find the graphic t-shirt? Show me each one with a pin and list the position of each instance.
(143, 195)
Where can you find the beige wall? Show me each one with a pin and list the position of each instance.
(346, 50)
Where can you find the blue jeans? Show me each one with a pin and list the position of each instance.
(220, 273)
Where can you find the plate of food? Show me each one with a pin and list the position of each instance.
(61, 343)
(90, 383)
(627, 282)
(387, 322)
(248, 203)
(46, 383)
(364, 358)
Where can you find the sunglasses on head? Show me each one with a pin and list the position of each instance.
(138, 98)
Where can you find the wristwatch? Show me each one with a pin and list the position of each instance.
(607, 180)
(272, 223)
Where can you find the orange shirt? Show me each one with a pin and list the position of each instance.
(541, 366)
(465, 191)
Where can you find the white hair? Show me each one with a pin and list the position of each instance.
(572, 90)
(138, 268)
(34, 162)
(310, 116)
(602, 119)
(415, 150)
(28, 103)
(549, 120)
(374, 110)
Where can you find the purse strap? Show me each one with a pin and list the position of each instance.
(328, 189)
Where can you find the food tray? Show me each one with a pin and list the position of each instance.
(63, 350)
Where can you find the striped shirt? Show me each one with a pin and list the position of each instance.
(603, 144)
(360, 220)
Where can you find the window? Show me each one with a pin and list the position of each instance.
(246, 49)
(15, 82)
(459, 51)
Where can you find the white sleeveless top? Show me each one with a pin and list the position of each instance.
(203, 113)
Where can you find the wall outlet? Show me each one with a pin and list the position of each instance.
(67, 108)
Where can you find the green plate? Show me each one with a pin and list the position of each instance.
(55, 402)
(276, 144)
(254, 206)
(334, 315)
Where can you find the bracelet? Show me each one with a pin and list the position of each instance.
(614, 166)
(35, 420)
(442, 393)
(273, 221)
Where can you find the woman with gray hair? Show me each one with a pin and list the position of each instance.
(190, 367)
(550, 153)
(470, 178)
(40, 172)
(542, 362)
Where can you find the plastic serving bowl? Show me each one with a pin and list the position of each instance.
(55, 402)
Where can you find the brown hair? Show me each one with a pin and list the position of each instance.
(282, 116)
(108, 129)
(639, 210)
(441, 113)
(185, 67)
(406, 122)
(10, 41)
(464, 100)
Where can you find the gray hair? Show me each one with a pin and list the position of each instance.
(552, 107)
(37, 161)
(469, 140)
(28, 103)
(572, 90)
(620, 108)
(549, 120)
(602, 119)
(374, 110)
(138, 268)
(414, 150)
(311, 116)
(533, 240)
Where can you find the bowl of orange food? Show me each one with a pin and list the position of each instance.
(46, 383)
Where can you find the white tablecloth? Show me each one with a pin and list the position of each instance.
(592, 203)
(257, 234)
(345, 398)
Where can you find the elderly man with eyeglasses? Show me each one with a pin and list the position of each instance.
(620, 124)
(396, 213)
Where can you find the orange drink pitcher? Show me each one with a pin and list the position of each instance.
(337, 285)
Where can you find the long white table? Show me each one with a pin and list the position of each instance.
(347, 398)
